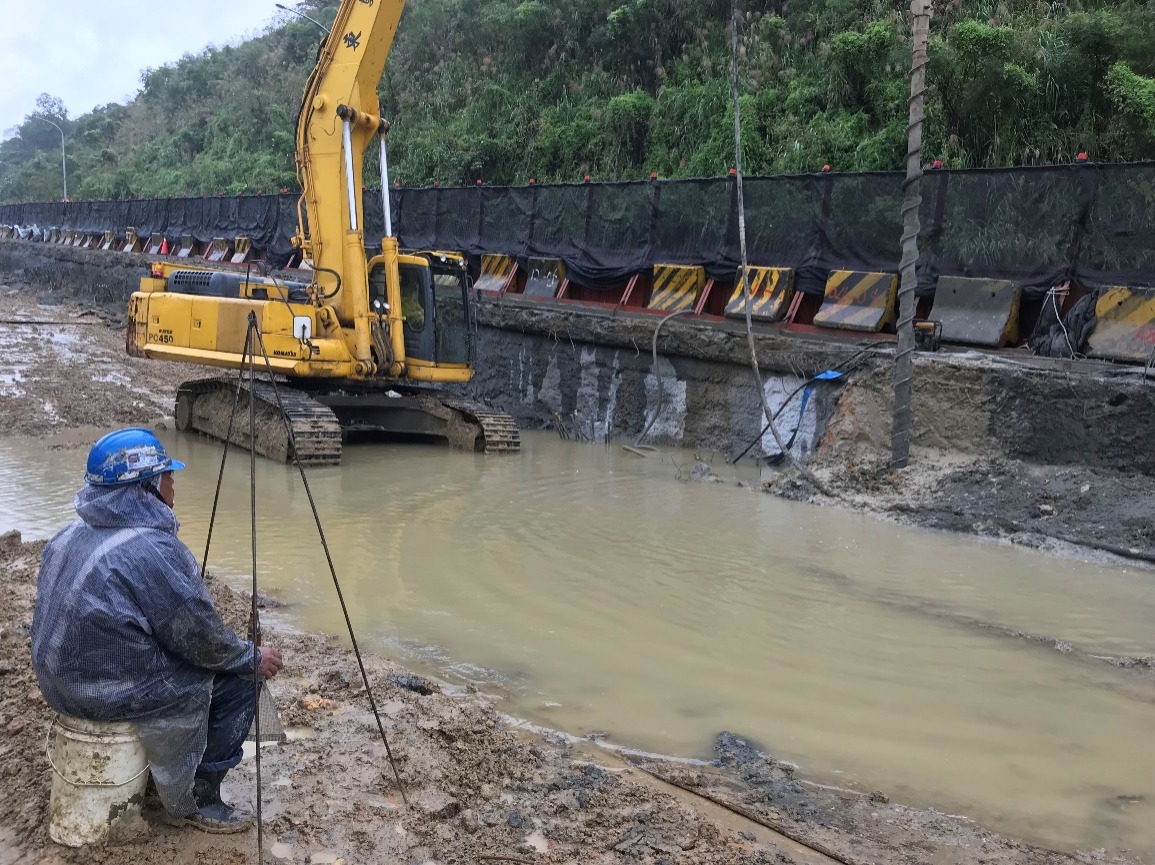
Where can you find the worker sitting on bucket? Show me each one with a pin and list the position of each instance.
(125, 630)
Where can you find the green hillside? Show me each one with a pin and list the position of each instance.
(505, 90)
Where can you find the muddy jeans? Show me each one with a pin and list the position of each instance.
(230, 717)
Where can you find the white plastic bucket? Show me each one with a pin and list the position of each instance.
(99, 774)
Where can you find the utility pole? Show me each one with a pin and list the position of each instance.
(911, 202)
(63, 163)
(324, 29)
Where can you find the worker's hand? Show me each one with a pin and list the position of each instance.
(271, 662)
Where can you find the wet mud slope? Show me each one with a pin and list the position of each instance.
(1030, 459)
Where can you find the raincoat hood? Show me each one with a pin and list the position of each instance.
(123, 507)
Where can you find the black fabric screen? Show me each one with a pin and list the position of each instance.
(1038, 226)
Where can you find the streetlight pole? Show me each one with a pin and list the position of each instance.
(302, 15)
(63, 163)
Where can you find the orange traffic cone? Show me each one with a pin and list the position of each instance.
(164, 246)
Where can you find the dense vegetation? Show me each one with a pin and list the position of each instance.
(556, 89)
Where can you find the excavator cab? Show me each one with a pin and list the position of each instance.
(434, 295)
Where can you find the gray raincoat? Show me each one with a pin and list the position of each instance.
(125, 630)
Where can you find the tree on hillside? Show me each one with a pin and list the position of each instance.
(556, 89)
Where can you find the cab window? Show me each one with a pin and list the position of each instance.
(413, 298)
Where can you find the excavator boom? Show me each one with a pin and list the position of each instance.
(339, 119)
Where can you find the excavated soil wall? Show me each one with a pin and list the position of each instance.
(1012, 405)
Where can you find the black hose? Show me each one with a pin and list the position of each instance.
(802, 387)
(336, 290)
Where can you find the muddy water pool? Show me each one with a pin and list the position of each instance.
(596, 591)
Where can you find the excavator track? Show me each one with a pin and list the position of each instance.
(205, 405)
(499, 431)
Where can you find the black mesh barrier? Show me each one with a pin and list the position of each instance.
(415, 219)
(373, 214)
(46, 214)
(617, 230)
(931, 215)
(1118, 241)
(146, 215)
(181, 215)
(1037, 226)
(864, 229)
(458, 218)
(1011, 224)
(505, 217)
(288, 208)
(692, 224)
(785, 227)
(89, 216)
(559, 219)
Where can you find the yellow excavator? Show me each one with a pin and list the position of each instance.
(364, 343)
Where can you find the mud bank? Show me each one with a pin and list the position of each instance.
(480, 786)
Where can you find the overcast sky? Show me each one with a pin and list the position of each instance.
(90, 53)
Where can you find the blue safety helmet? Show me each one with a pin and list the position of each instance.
(126, 457)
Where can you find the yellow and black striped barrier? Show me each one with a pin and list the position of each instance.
(676, 287)
(977, 311)
(858, 300)
(771, 289)
(1124, 325)
(242, 249)
(496, 273)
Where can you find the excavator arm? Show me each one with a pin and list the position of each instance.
(339, 120)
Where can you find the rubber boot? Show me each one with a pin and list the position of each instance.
(213, 814)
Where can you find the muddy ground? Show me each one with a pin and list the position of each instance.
(481, 787)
